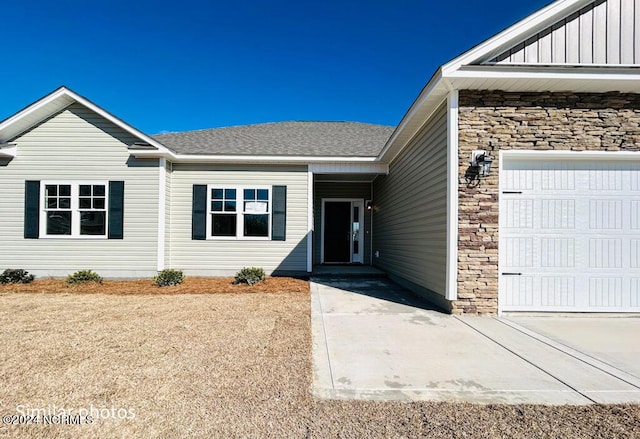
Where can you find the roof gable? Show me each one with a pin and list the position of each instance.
(528, 40)
(55, 102)
(602, 32)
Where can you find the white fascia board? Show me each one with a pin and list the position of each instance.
(36, 106)
(433, 83)
(275, 159)
(62, 98)
(572, 155)
(515, 34)
(552, 72)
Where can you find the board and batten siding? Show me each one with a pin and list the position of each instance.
(224, 257)
(77, 144)
(350, 190)
(410, 211)
(603, 32)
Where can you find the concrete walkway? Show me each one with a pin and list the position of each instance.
(371, 340)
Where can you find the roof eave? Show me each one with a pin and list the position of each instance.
(265, 159)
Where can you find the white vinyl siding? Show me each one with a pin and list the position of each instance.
(410, 210)
(221, 257)
(603, 32)
(78, 145)
(569, 235)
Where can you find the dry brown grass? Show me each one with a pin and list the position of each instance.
(223, 365)
(191, 285)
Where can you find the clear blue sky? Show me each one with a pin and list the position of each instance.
(191, 64)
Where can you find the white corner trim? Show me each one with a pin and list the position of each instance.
(501, 298)
(162, 208)
(452, 196)
(309, 220)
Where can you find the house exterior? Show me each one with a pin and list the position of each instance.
(554, 225)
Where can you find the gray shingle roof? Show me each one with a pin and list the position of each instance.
(342, 139)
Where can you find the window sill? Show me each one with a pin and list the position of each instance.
(74, 238)
(234, 238)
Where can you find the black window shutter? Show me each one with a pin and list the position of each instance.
(279, 217)
(32, 209)
(116, 210)
(199, 212)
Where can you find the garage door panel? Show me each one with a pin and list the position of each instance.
(605, 292)
(519, 291)
(634, 214)
(569, 236)
(635, 292)
(557, 214)
(557, 291)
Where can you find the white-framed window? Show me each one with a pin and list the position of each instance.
(239, 212)
(73, 209)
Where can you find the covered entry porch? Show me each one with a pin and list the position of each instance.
(342, 214)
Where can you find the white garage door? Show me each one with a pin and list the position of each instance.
(569, 235)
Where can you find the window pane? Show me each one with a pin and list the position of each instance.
(65, 203)
(223, 225)
(85, 190)
(98, 190)
(230, 206)
(249, 194)
(216, 206)
(65, 190)
(216, 194)
(92, 223)
(52, 203)
(58, 223)
(263, 194)
(356, 214)
(256, 225)
(51, 190)
(230, 194)
(85, 203)
(98, 203)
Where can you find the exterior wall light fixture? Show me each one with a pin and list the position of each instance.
(481, 163)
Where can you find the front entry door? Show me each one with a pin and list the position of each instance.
(337, 232)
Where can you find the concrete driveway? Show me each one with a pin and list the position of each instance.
(372, 340)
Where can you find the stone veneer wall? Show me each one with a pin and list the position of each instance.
(493, 121)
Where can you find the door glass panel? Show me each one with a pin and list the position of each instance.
(356, 230)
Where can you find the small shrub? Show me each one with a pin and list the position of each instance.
(16, 276)
(83, 276)
(250, 275)
(169, 278)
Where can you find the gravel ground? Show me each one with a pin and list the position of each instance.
(222, 365)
